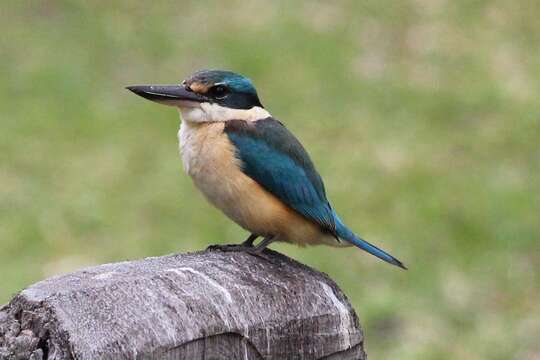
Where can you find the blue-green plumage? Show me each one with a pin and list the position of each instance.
(275, 159)
(346, 234)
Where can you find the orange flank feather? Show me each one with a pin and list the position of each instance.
(209, 158)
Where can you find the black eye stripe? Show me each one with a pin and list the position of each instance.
(219, 91)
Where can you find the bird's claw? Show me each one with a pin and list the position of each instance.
(251, 250)
(229, 248)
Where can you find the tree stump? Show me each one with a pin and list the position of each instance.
(203, 305)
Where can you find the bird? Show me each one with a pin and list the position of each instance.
(250, 166)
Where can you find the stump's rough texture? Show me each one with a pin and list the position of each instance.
(205, 305)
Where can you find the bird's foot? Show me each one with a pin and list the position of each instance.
(247, 247)
(260, 254)
(259, 249)
(251, 250)
(229, 247)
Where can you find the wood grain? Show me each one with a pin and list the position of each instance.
(203, 305)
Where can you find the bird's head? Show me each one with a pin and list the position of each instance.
(208, 95)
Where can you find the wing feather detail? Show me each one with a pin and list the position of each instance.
(274, 158)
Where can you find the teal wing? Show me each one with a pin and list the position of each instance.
(275, 159)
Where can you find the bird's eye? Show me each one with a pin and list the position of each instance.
(219, 91)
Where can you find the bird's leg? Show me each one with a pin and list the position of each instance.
(247, 245)
(258, 250)
(262, 245)
(249, 241)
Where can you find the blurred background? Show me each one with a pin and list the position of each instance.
(422, 117)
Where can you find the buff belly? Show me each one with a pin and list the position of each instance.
(209, 158)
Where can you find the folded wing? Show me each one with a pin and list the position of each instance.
(275, 159)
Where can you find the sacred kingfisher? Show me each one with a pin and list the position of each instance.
(248, 165)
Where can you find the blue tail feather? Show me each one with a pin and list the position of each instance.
(345, 234)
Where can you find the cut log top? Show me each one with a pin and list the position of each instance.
(204, 305)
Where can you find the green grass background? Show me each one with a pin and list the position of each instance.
(422, 117)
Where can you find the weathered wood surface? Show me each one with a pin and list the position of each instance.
(204, 305)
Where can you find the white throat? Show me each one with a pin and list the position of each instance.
(207, 112)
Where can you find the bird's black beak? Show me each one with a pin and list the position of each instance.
(173, 95)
